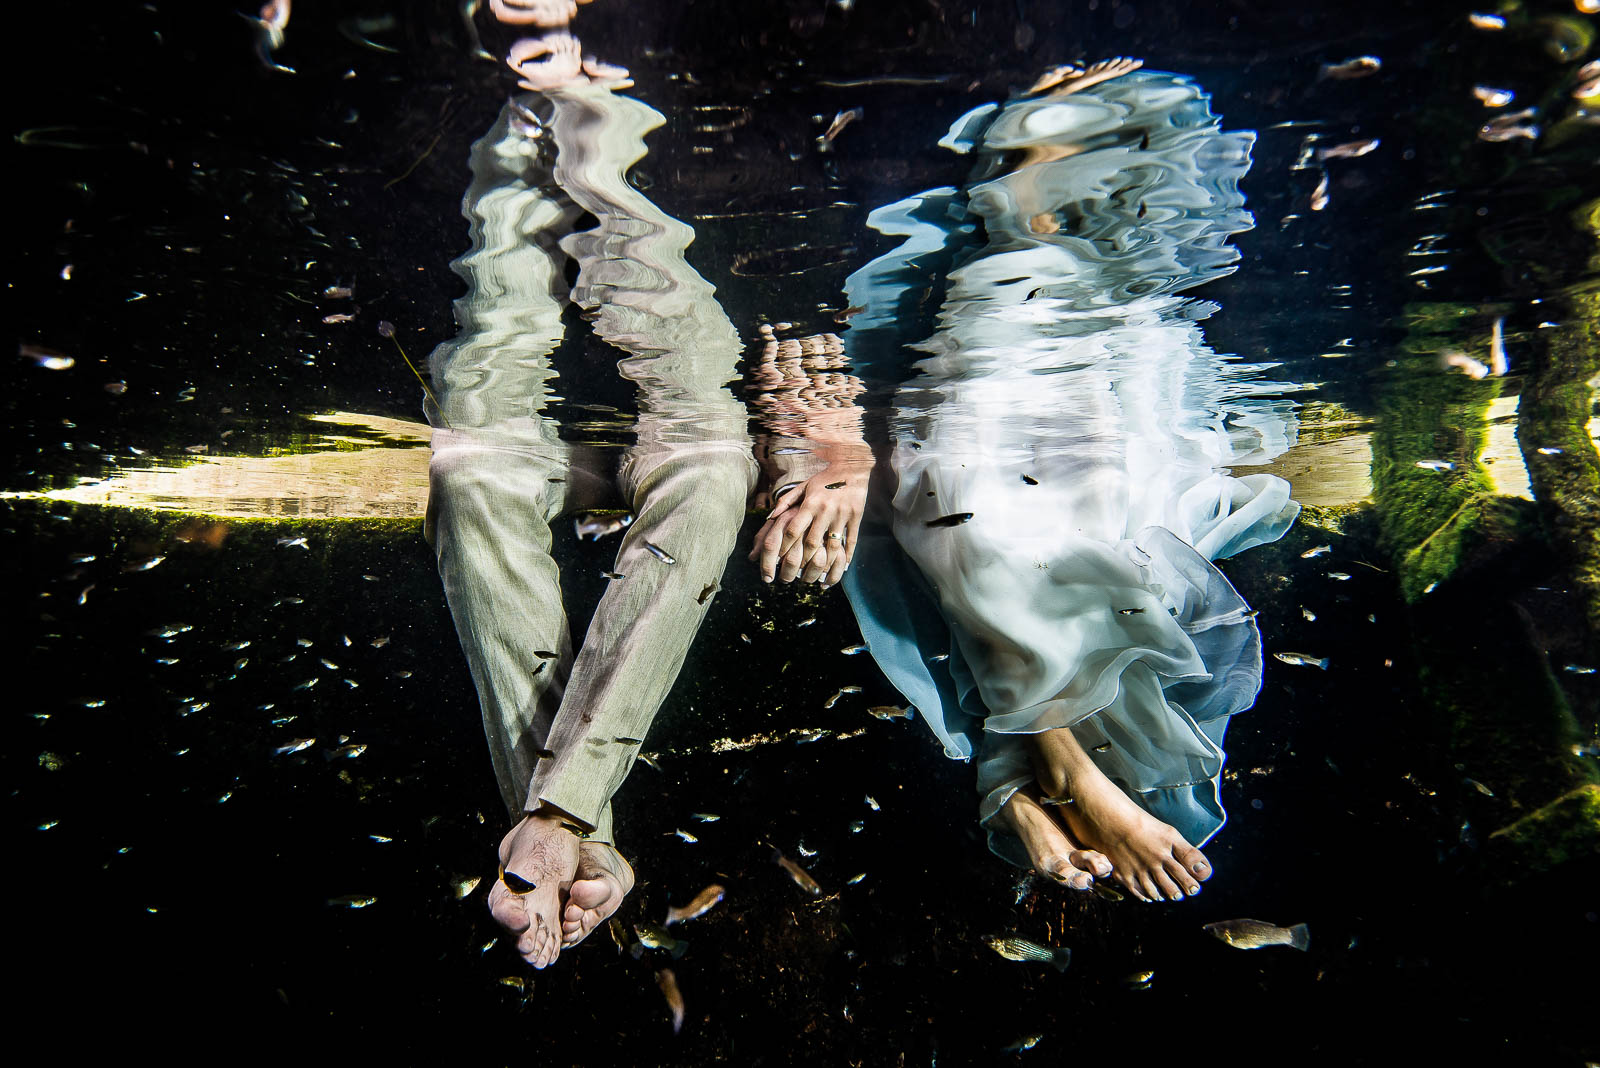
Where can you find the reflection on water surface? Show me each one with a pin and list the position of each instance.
(252, 663)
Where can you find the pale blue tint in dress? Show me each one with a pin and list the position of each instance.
(1067, 399)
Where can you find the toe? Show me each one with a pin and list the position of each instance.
(1148, 887)
(508, 909)
(1193, 861)
(1165, 886)
(1181, 876)
(1064, 872)
(1092, 861)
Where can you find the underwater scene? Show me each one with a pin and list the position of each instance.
(826, 532)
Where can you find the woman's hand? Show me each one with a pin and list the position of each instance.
(811, 533)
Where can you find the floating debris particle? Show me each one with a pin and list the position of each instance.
(51, 762)
(1020, 949)
(702, 903)
(1302, 660)
(1254, 934)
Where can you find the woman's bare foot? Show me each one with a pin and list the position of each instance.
(603, 879)
(1147, 856)
(1053, 853)
(1074, 79)
(538, 862)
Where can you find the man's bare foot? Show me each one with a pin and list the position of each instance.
(538, 862)
(1074, 79)
(1053, 853)
(603, 879)
(1147, 856)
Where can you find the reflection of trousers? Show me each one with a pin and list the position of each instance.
(565, 730)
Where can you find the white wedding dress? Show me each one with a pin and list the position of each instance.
(1064, 455)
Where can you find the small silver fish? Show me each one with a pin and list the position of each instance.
(872, 803)
(338, 293)
(1254, 934)
(143, 565)
(1486, 22)
(836, 127)
(1318, 551)
(1302, 660)
(801, 877)
(293, 543)
(955, 519)
(1348, 150)
(854, 879)
(1359, 67)
(668, 982)
(346, 752)
(1025, 1043)
(379, 643)
(296, 745)
(702, 903)
(170, 630)
(1020, 949)
(890, 712)
(465, 885)
(938, 658)
(1436, 465)
(1491, 97)
(685, 835)
(352, 901)
(654, 936)
(1319, 195)
(706, 817)
(613, 575)
(1339, 576)
(705, 594)
(853, 650)
(594, 527)
(1310, 616)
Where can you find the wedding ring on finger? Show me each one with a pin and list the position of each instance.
(831, 536)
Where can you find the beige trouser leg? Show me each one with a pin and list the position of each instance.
(501, 472)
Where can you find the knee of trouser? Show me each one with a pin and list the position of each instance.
(715, 479)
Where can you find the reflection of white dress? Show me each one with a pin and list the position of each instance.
(1068, 402)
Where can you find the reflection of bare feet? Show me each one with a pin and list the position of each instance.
(563, 64)
(540, 852)
(603, 880)
(1053, 853)
(1074, 79)
(1147, 856)
(546, 13)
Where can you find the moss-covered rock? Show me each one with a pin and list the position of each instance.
(1565, 830)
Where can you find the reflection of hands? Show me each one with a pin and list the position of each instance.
(564, 64)
(537, 12)
(804, 395)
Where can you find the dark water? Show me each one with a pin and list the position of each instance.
(172, 871)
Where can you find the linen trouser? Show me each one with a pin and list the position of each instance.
(565, 729)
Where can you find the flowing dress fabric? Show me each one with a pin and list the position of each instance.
(1063, 460)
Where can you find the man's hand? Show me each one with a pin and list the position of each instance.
(811, 533)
